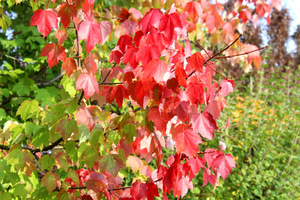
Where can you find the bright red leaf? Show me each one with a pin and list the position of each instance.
(45, 21)
(195, 92)
(119, 93)
(152, 18)
(65, 12)
(186, 140)
(89, 85)
(148, 53)
(196, 61)
(139, 190)
(156, 69)
(194, 10)
(54, 53)
(169, 23)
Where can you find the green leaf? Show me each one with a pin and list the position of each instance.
(16, 158)
(51, 181)
(47, 162)
(2, 114)
(66, 127)
(112, 164)
(69, 85)
(129, 132)
(28, 108)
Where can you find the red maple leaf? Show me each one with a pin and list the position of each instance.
(254, 56)
(84, 116)
(124, 41)
(148, 53)
(45, 21)
(106, 29)
(196, 62)
(69, 66)
(156, 69)
(90, 64)
(139, 190)
(205, 124)
(130, 57)
(89, 85)
(89, 29)
(152, 190)
(119, 93)
(54, 53)
(186, 140)
(262, 8)
(226, 87)
(61, 36)
(195, 92)
(152, 18)
(245, 15)
(181, 110)
(208, 176)
(223, 164)
(169, 23)
(181, 76)
(65, 12)
(194, 10)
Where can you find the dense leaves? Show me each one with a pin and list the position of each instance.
(151, 98)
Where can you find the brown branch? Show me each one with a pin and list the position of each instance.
(242, 54)
(54, 144)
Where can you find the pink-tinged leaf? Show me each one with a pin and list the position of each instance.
(90, 64)
(195, 92)
(126, 146)
(210, 22)
(156, 69)
(69, 66)
(148, 53)
(90, 30)
(84, 116)
(54, 53)
(97, 182)
(182, 186)
(215, 107)
(276, 4)
(136, 14)
(186, 140)
(65, 12)
(223, 164)
(196, 61)
(196, 164)
(226, 87)
(208, 176)
(139, 190)
(205, 124)
(152, 18)
(134, 163)
(45, 21)
(181, 110)
(106, 29)
(89, 85)
(254, 56)
(168, 24)
(129, 26)
(119, 93)
(209, 156)
(61, 36)
(228, 123)
(51, 181)
(194, 10)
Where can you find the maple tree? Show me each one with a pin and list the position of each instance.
(148, 91)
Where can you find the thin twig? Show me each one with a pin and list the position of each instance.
(241, 54)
